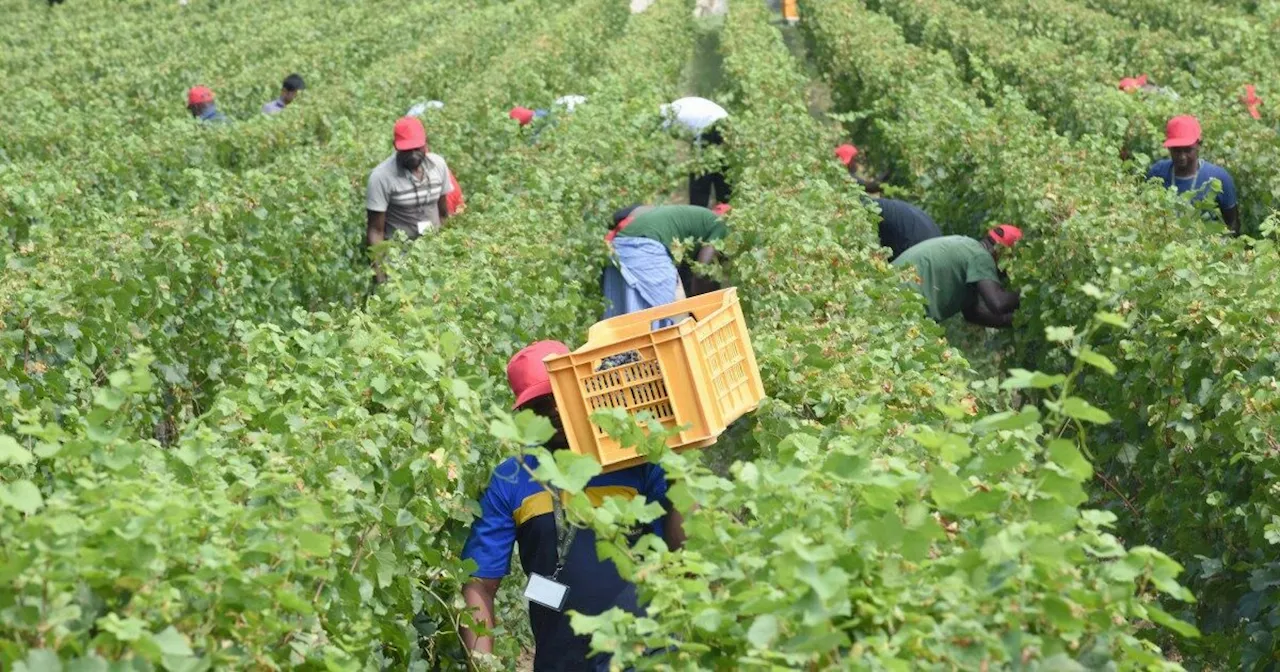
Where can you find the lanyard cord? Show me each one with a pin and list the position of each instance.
(564, 532)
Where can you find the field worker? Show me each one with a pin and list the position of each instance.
(848, 155)
(514, 508)
(405, 191)
(288, 92)
(1186, 171)
(201, 106)
(705, 121)
(959, 275)
(1142, 83)
(419, 109)
(644, 274)
(903, 225)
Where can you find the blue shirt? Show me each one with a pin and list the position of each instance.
(1199, 184)
(517, 509)
(273, 107)
(211, 114)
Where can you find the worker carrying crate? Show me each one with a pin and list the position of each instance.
(699, 374)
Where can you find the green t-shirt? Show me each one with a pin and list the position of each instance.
(950, 268)
(669, 223)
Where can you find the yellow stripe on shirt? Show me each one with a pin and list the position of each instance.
(539, 503)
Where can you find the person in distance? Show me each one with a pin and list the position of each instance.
(406, 191)
(958, 274)
(848, 155)
(902, 225)
(201, 106)
(644, 273)
(288, 92)
(705, 121)
(515, 508)
(1187, 172)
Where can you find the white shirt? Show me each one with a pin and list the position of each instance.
(570, 102)
(693, 113)
(417, 110)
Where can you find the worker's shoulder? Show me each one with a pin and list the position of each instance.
(940, 246)
(385, 169)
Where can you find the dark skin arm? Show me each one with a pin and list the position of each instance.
(375, 233)
(1231, 217)
(442, 207)
(994, 307)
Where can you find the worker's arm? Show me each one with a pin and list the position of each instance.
(707, 254)
(479, 595)
(998, 299)
(442, 207)
(375, 233)
(1231, 217)
(673, 529)
(982, 315)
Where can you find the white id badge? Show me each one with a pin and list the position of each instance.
(546, 592)
(423, 227)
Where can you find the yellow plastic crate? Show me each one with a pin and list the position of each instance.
(699, 373)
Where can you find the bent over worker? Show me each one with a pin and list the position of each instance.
(288, 92)
(201, 106)
(903, 225)
(405, 191)
(1187, 172)
(517, 509)
(644, 273)
(705, 121)
(958, 274)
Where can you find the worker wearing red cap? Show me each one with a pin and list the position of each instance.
(515, 508)
(201, 106)
(406, 192)
(848, 155)
(1185, 171)
(958, 274)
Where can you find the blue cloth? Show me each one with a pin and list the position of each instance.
(515, 509)
(1199, 184)
(645, 276)
(212, 115)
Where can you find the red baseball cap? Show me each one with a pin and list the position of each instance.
(526, 373)
(1131, 84)
(1182, 131)
(846, 153)
(1005, 234)
(410, 134)
(523, 115)
(198, 95)
(722, 209)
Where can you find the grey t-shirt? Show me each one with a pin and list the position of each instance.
(410, 203)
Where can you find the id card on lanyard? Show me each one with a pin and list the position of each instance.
(546, 590)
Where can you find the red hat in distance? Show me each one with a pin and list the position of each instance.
(722, 209)
(523, 115)
(1005, 234)
(528, 375)
(1131, 84)
(410, 134)
(1182, 131)
(846, 153)
(1251, 101)
(198, 95)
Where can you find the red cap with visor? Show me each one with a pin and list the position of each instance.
(1182, 131)
(846, 153)
(526, 373)
(1005, 234)
(523, 115)
(410, 134)
(199, 95)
